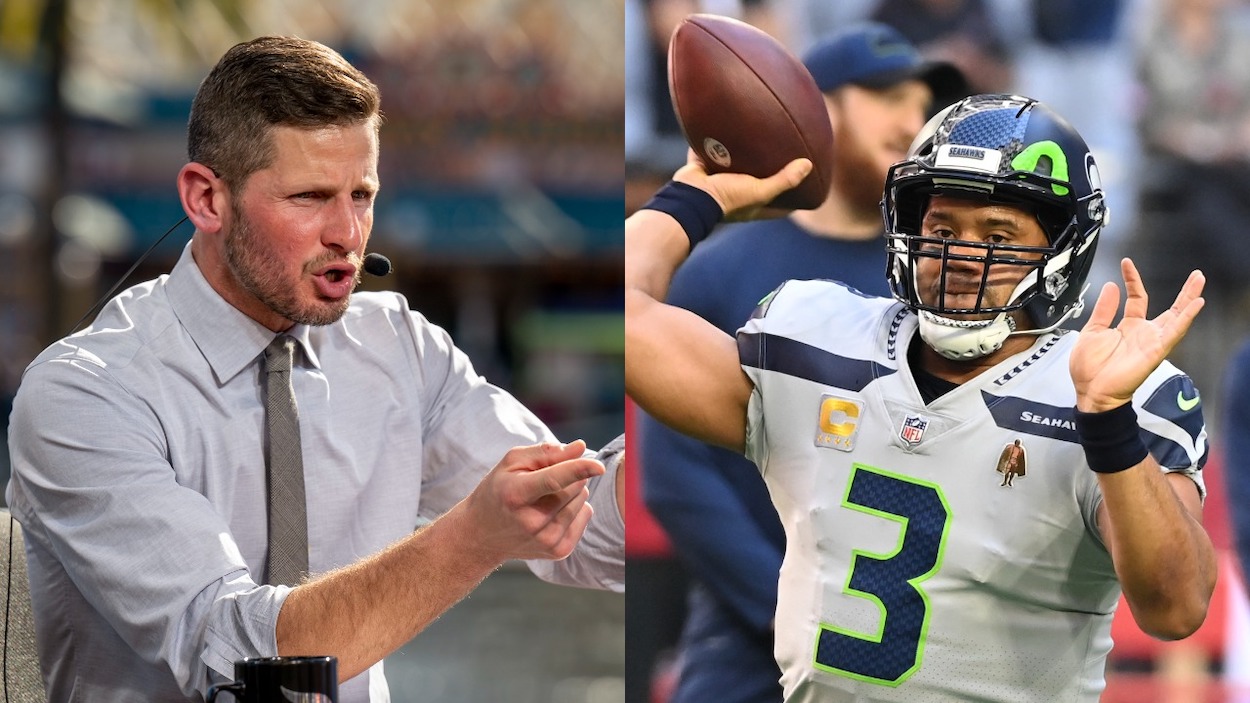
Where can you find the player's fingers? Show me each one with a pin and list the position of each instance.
(1180, 326)
(1104, 308)
(746, 199)
(1137, 301)
(788, 177)
(1191, 291)
(536, 484)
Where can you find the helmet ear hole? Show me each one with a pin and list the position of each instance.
(1045, 166)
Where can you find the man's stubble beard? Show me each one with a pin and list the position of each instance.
(849, 167)
(261, 279)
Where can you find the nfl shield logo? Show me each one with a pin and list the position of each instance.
(913, 429)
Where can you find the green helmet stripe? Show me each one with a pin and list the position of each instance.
(1027, 161)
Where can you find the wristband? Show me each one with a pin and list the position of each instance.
(696, 211)
(1111, 439)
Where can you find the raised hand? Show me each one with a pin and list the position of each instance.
(741, 196)
(1109, 363)
(532, 505)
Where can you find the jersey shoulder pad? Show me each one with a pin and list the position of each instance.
(825, 315)
(815, 298)
(1170, 414)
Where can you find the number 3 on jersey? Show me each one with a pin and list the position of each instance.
(892, 581)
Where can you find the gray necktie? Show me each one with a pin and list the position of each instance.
(284, 463)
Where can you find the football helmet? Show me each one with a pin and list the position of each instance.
(1005, 150)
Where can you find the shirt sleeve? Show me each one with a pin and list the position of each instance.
(468, 426)
(599, 559)
(93, 488)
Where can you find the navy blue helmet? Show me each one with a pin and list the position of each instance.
(1002, 149)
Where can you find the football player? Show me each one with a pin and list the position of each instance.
(879, 91)
(911, 571)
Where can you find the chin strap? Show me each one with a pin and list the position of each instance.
(961, 340)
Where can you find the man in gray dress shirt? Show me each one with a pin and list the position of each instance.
(138, 444)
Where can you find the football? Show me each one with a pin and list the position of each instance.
(747, 105)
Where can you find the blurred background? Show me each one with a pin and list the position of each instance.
(1160, 89)
(501, 205)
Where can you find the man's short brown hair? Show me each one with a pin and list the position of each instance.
(266, 82)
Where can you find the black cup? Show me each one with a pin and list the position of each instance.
(283, 680)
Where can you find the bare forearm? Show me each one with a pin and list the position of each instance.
(654, 247)
(1163, 557)
(678, 367)
(532, 505)
(365, 611)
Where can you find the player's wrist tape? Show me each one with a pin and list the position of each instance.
(696, 211)
(1111, 439)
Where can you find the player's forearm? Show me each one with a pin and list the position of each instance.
(363, 612)
(1163, 557)
(678, 367)
(655, 246)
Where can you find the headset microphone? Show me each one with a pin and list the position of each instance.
(377, 265)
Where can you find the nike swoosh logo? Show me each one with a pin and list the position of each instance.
(1187, 404)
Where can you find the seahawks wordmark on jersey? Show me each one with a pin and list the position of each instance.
(924, 561)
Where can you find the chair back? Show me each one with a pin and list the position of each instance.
(21, 680)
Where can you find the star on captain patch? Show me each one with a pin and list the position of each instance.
(1011, 462)
(838, 422)
(913, 429)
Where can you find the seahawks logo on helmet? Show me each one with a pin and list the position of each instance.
(1011, 150)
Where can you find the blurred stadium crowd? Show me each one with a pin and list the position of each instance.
(1160, 89)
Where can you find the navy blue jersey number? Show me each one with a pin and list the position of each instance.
(892, 581)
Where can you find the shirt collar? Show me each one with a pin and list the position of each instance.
(229, 340)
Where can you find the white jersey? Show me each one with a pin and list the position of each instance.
(941, 552)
